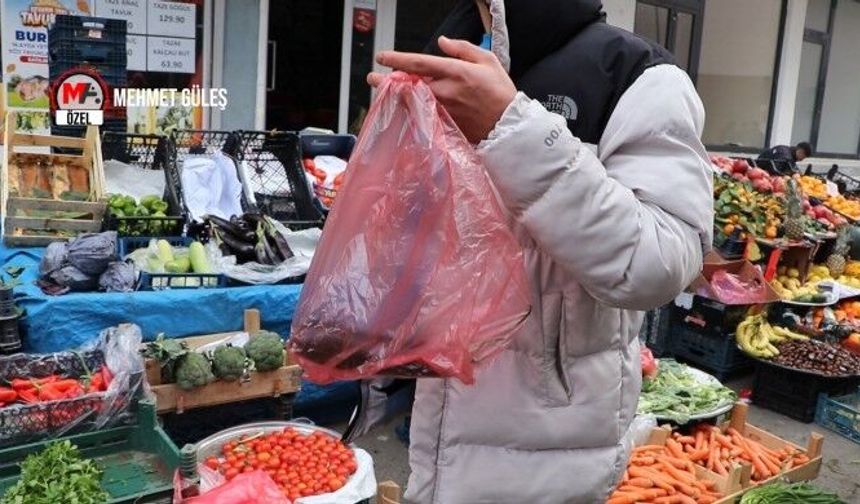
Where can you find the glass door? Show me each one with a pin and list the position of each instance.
(302, 63)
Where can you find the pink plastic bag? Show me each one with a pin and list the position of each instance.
(732, 289)
(417, 272)
(649, 363)
(255, 487)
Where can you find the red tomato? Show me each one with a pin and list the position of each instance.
(212, 463)
(231, 473)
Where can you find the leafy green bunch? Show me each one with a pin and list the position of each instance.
(57, 474)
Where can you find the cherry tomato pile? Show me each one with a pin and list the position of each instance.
(301, 464)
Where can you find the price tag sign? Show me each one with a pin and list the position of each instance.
(132, 11)
(832, 188)
(174, 55)
(171, 19)
(135, 46)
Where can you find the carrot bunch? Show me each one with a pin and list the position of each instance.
(711, 448)
(658, 476)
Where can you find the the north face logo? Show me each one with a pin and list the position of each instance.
(562, 105)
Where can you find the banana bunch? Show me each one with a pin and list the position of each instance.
(757, 337)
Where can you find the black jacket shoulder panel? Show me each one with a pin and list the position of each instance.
(584, 79)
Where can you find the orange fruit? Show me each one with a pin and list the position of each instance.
(770, 232)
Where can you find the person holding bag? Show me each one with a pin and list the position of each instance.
(591, 138)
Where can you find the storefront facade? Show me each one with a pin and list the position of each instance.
(769, 72)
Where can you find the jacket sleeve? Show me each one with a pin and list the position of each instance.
(631, 223)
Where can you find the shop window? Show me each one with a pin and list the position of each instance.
(807, 90)
(683, 39)
(675, 25)
(304, 78)
(736, 72)
(652, 22)
(839, 131)
(827, 109)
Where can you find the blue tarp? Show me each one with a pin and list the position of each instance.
(55, 323)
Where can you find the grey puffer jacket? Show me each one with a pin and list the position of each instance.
(609, 228)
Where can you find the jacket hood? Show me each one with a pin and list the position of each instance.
(523, 32)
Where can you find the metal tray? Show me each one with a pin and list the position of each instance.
(804, 371)
(704, 377)
(211, 446)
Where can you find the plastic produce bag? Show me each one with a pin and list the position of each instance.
(117, 349)
(71, 279)
(255, 487)
(302, 244)
(54, 257)
(417, 273)
(118, 277)
(91, 253)
(732, 289)
(649, 363)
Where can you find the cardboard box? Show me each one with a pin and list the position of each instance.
(744, 270)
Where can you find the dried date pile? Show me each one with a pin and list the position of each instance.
(818, 357)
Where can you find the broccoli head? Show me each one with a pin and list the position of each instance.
(228, 362)
(266, 349)
(193, 371)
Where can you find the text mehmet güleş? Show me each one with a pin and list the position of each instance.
(194, 96)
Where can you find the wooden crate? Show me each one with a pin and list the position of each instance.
(805, 472)
(26, 223)
(730, 486)
(388, 492)
(169, 397)
(737, 481)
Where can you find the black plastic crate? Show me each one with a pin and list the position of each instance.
(163, 281)
(795, 393)
(147, 227)
(712, 317)
(20, 424)
(166, 281)
(114, 76)
(301, 225)
(127, 244)
(146, 152)
(717, 354)
(703, 335)
(83, 29)
(184, 143)
(190, 142)
(657, 330)
(275, 175)
(108, 53)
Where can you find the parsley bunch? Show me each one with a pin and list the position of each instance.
(57, 474)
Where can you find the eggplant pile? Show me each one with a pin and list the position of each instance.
(251, 238)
